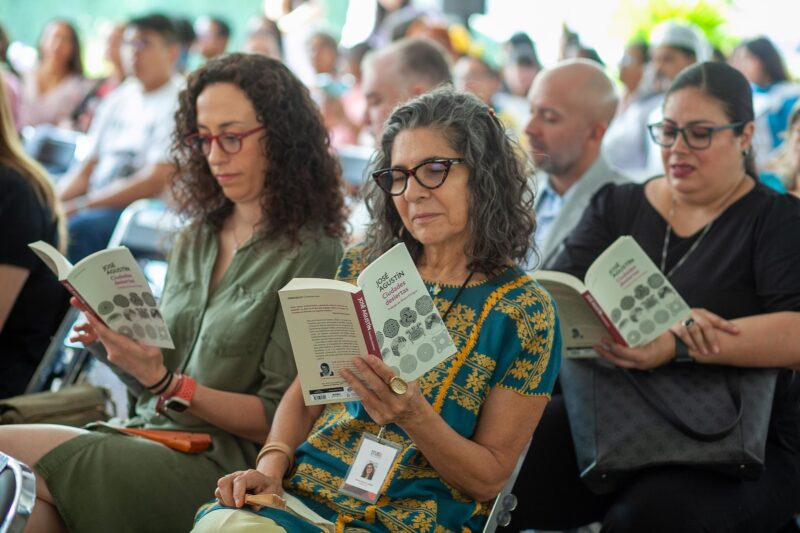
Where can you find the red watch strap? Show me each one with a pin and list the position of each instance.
(184, 389)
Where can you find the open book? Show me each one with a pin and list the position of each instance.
(112, 286)
(624, 296)
(389, 313)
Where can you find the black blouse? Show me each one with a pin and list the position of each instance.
(747, 264)
(41, 303)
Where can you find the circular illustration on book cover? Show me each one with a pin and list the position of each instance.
(641, 291)
(148, 299)
(127, 331)
(151, 332)
(139, 330)
(391, 328)
(121, 301)
(661, 316)
(379, 336)
(647, 327)
(627, 302)
(407, 317)
(675, 306)
(655, 280)
(424, 305)
(105, 307)
(135, 299)
(616, 314)
(663, 292)
(633, 337)
(425, 352)
(408, 364)
(441, 341)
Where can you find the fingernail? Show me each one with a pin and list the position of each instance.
(716, 348)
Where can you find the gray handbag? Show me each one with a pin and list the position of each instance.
(713, 417)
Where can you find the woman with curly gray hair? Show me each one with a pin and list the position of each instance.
(453, 187)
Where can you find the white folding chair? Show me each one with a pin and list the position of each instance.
(17, 494)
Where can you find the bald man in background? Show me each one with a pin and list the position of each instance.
(572, 105)
(392, 76)
(396, 74)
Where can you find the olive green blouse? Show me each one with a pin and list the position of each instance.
(234, 338)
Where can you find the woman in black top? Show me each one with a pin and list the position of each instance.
(32, 301)
(731, 247)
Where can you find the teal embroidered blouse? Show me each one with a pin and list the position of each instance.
(507, 335)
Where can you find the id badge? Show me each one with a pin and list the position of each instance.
(367, 474)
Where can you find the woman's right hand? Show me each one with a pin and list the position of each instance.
(144, 363)
(232, 488)
(84, 333)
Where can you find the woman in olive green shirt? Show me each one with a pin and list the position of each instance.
(261, 190)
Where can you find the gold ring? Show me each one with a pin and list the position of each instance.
(398, 385)
(689, 322)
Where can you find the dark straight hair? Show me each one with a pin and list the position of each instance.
(727, 86)
(75, 64)
(769, 57)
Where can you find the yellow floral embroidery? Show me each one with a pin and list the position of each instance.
(516, 358)
(535, 328)
(473, 338)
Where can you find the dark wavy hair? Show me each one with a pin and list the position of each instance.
(726, 85)
(302, 187)
(501, 219)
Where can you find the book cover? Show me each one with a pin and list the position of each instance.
(388, 313)
(624, 296)
(111, 285)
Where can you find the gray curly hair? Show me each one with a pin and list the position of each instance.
(501, 218)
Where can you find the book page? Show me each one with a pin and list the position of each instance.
(113, 285)
(636, 295)
(51, 257)
(325, 332)
(580, 327)
(410, 332)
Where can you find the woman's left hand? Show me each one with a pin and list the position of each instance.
(659, 351)
(383, 405)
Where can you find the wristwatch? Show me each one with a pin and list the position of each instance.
(681, 351)
(181, 399)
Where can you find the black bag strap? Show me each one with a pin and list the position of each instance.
(657, 402)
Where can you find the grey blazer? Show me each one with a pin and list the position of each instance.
(581, 192)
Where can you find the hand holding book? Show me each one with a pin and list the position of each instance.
(625, 297)
(389, 314)
(110, 285)
(144, 363)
